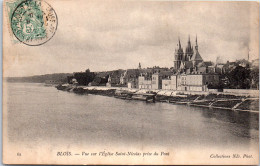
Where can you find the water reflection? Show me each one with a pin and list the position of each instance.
(37, 113)
(244, 119)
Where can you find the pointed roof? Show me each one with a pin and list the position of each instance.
(179, 43)
(196, 41)
(196, 46)
(196, 56)
(179, 49)
(189, 48)
(208, 63)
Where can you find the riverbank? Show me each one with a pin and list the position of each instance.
(212, 100)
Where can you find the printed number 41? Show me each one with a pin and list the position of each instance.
(19, 154)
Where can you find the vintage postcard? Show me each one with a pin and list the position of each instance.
(130, 82)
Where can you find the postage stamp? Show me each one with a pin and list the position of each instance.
(33, 22)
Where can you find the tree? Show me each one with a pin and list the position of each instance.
(254, 75)
(239, 78)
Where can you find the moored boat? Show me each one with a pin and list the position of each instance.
(144, 97)
(122, 94)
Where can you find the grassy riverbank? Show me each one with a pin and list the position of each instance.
(201, 99)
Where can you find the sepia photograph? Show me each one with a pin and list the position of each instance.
(129, 82)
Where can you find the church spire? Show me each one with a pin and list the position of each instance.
(196, 46)
(178, 57)
(248, 56)
(189, 44)
(189, 48)
(179, 42)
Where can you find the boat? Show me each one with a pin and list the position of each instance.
(148, 97)
(122, 94)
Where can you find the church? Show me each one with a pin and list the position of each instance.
(189, 61)
(190, 72)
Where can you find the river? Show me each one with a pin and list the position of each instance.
(37, 113)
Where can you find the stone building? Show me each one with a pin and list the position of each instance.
(152, 81)
(191, 73)
(156, 81)
(144, 82)
(170, 83)
(190, 82)
(130, 78)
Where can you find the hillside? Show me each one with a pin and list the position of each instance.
(40, 78)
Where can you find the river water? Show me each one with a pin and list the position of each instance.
(37, 113)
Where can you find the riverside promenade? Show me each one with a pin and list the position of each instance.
(236, 100)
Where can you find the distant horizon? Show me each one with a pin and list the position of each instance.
(107, 70)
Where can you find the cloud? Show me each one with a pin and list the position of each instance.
(103, 35)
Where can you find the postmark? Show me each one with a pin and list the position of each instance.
(34, 22)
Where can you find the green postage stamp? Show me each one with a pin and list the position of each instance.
(33, 22)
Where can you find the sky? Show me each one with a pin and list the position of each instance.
(110, 35)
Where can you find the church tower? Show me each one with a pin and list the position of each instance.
(178, 56)
(196, 58)
(188, 51)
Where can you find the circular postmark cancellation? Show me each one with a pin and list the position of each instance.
(34, 22)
